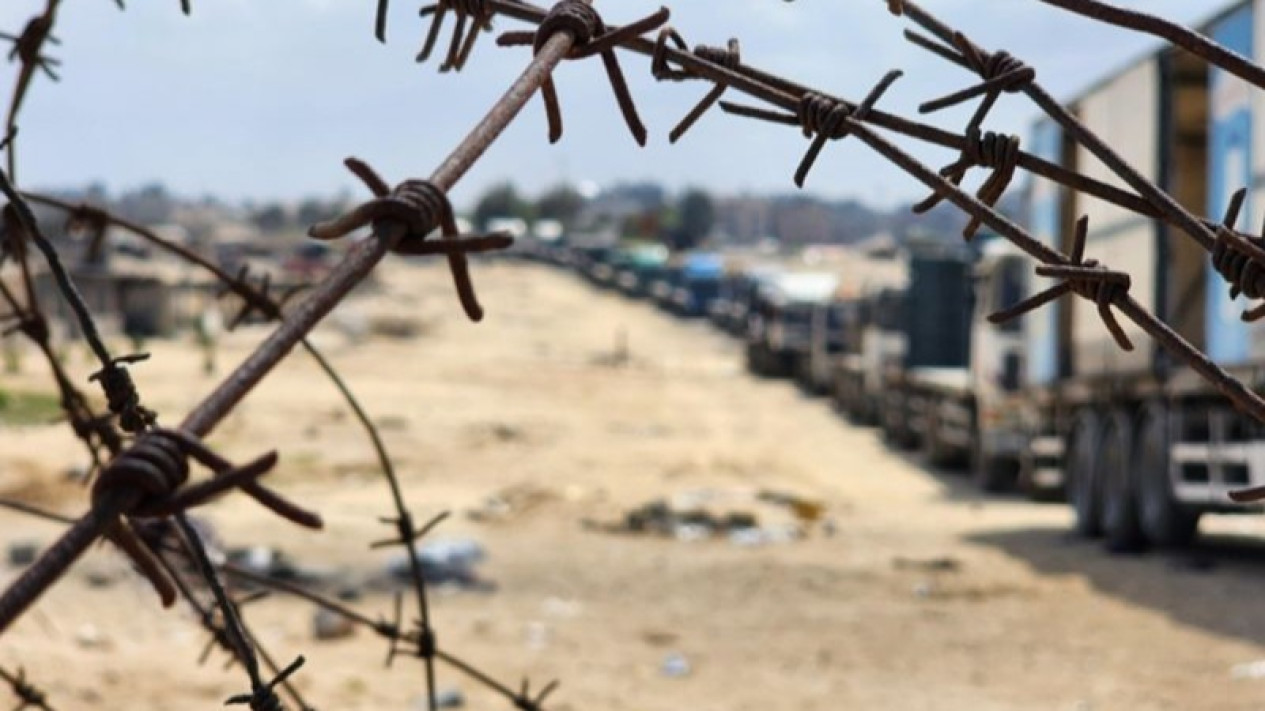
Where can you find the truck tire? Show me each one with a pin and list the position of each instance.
(1084, 490)
(1164, 521)
(1122, 531)
(992, 474)
(894, 415)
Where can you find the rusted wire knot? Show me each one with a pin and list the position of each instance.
(591, 36)
(28, 47)
(421, 206)
(819, 115)
(97, 431)
(728, 57)
(526, 702)
(407, 534)
(91, 222)
(31, 324)
(263, 697)
(1239, 260)
(1000, 153)
(121, 394)
(256, 299)
(217, 630)
(29, 696)
(476, 12)
(149, 479)
(1000, 72)
(1085, 278)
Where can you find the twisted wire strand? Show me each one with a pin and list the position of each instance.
(1240, 261)
(991, 150)
(728, 57)
(827, 118)
(1085, 278)
(591, 37)
(475, 12)
(29, 695)
(422, 206)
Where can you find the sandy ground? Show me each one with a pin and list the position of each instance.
(917, 594)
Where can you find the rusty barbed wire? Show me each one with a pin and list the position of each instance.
(1104, 291)
(29, 695)
(1193, 42)
(390, 629)
(115, 379)
(390, 234)
(591, 36)
(146, 479)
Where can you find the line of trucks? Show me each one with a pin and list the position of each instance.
(1140, 446)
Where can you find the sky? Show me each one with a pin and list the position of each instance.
(262, 99)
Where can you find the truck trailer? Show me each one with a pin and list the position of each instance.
(1144, 446)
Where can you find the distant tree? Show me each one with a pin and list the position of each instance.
(562, 203)
(697, 216)
(270, 217)
(500, 200)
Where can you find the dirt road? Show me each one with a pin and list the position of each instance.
(911, 593)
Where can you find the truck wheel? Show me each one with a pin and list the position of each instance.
(932, 449)
(894, 413)
(1122, 531)
(755, 365)
(1164, 521)
(1084, 489)
(991, 474)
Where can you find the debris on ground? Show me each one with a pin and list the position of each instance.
(328, 625)
(22, 553)
(511, 502)
(807, 510)
(447, 562)
(743, 518)
(1249, 670)
(927, 565)
(450, 698)
(675, 666)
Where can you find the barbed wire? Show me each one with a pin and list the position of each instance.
(142, 472)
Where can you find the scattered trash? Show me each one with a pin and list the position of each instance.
(23, 553)
(451, 698)
(265, 561)
(538, 636)
(929, 565)
(562, 609)
(772, 535)
(657, 638)
(445, 562)
(89, 637)
(511, 502)
(675, 666)
(805, 509)
(743, 518)
(327, 625)
(392, 423)
(1249, 670)
(99, 579)
(395, 327)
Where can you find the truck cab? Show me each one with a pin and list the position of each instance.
(779, 322)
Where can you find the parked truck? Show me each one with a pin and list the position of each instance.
(779, 324)
(1144, 446)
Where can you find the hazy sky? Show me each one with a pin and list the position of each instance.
(263, 98)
